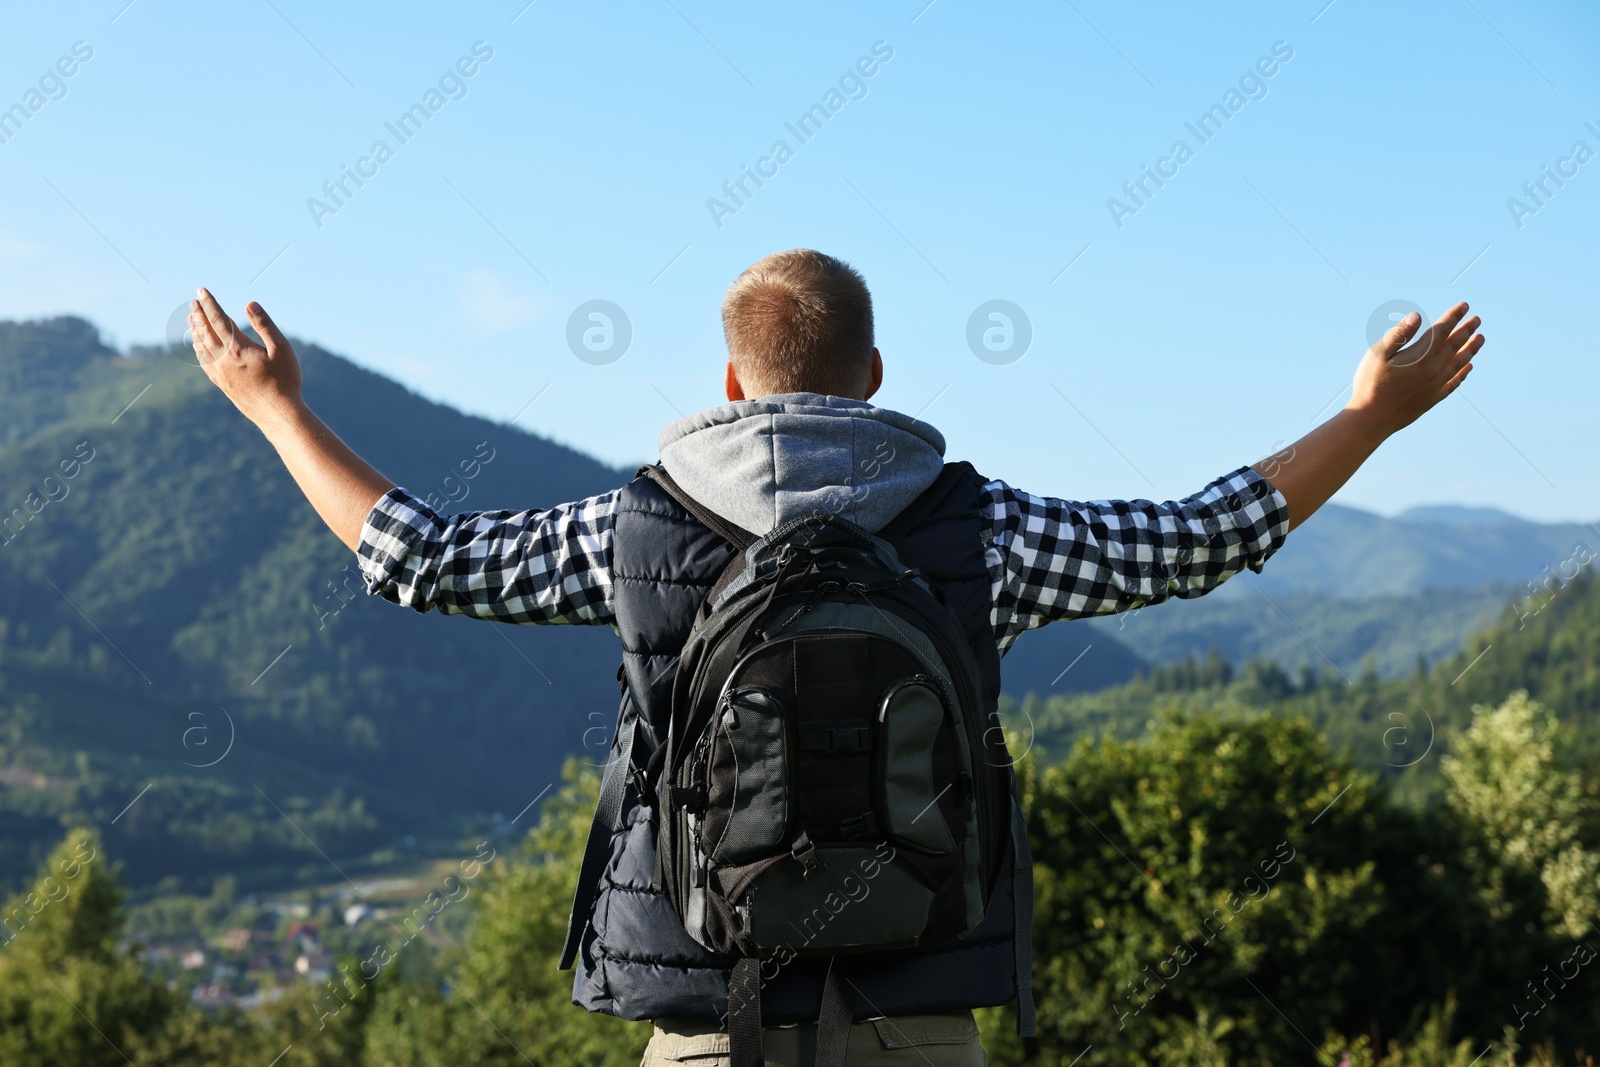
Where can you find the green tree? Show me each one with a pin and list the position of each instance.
(1531, 869)
(66, 994)
(1224, 891)
(1526, 812)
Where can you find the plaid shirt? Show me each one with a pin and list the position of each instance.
(1048, 559)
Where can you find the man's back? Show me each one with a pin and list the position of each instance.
(634, 560)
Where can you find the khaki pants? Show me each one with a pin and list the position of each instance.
(908, 1040)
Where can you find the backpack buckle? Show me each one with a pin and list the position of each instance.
(859, 826)
(641, 787)
(804, 850)
(690, 798)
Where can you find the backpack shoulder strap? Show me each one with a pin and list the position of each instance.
(739, 537)
(607, 822)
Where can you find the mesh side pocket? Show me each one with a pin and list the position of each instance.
(753, 728)
(909, 725)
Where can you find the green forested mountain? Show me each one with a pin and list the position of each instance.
(167, 589)
(1333, 633)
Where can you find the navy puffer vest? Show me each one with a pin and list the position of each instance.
(635, 959)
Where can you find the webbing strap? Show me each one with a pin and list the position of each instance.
(744, 1014)
(744, 1017)
(734, 534)
(1022, 936)
(607, 821)
(833, 1023)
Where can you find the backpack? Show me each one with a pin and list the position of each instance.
(832, 781)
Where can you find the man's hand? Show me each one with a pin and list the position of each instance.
(1396, 385)
(262, 382)
(1393, 387)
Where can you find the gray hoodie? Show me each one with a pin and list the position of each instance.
(760, 463)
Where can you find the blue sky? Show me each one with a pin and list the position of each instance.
(974, 164)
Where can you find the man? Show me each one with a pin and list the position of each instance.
(797, 437)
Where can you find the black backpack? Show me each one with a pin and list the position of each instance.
(832, 780)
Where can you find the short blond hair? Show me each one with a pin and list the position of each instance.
(800, 322)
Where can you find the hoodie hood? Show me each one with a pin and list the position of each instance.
(760, 463)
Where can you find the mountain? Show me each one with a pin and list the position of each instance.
(1392, 631)
(187, 657)
(1348, 584)
(1345, 552)
(1068, 658)
(168, 588)
(1457, 515)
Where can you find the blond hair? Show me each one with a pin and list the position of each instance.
(800, 322)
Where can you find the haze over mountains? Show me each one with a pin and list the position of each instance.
(159, 564)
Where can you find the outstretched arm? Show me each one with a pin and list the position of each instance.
(1056, 559)
(536, 566)
(263, 381)
(1393, 387)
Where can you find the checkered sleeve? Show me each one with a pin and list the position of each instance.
(1063, 559)
(549, 566)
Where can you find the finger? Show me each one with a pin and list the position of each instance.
(207, 349)
(221, 324)
(1455, 382)
(1461, 334)
(200, 329)
(1464, 356)
(1435, 340)
(1452, 316)
(265, 327)
(1398, 334)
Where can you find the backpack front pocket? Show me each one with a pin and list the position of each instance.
(919, 772)
(862, 899)
(749, 778)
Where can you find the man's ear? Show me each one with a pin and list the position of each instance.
(872, 383)
(731, 384)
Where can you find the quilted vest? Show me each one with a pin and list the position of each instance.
(634, 959)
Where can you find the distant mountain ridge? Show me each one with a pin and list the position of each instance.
(1345, 552)
(1349, 584)
(1391, 632)
(1459, 515)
